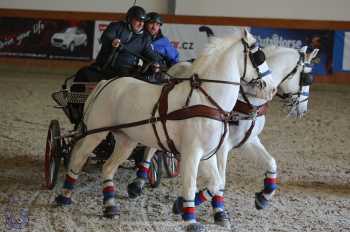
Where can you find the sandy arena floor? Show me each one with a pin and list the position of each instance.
(313, 154)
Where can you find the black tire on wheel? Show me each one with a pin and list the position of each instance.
(171, 163)
(52, 154)
(155, 170)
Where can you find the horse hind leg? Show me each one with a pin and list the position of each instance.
(79, 155)
(122, 150)
(135, 188)
(263, 197)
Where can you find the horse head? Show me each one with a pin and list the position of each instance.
(295, 87)
(256, 77)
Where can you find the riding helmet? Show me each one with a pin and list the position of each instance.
(154, 17)
(136, 12)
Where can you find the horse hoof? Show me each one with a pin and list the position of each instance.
(260, 201)
(177, 206)
(221, 218)
(135, 189)
(62, 200)
(195, 227)
(111, 211)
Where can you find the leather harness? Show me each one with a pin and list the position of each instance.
(186, 112)
(252, 112)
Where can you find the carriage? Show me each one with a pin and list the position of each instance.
(60, 142)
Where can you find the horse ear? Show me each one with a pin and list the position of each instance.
(249, 38)
(310, 56)
(314, 53)
(245, 33)
(303, 50)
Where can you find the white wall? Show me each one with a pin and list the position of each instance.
(290, 9)
(119, 6)
(287, 9)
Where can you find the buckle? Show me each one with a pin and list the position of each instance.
(253, 115)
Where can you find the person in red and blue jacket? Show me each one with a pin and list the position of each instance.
(161, 44)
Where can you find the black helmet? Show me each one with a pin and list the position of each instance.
(154, 17)
(136, 12)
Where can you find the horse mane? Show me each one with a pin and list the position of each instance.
(273, 50)
(216, 47)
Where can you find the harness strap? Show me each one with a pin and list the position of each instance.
(155, 128)
(188, 112)
(245, 108)
(247, 135)
(163, 110)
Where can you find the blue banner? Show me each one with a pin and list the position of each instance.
(341, 52)
(296, 38)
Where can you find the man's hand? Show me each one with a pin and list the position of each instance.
(116, 43)
(156, 68)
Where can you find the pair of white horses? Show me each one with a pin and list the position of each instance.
(224, 60)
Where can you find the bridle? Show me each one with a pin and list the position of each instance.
(305, 80)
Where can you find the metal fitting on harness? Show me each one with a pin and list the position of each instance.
(195, 81)
(253, 115)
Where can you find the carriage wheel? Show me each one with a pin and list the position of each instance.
(52, 154)
(172, 165)
(155, 169)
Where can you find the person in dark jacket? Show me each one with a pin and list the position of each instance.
(161, 44)
(128, 42)
(123, 43)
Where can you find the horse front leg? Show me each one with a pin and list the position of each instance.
(186, 203)
(263, 197)
(122, 150)
(79, 155)
(135, 188)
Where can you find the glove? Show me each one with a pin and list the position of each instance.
(116, 43)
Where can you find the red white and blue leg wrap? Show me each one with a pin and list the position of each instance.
(218, 202)
(270, 184)
(108, 193)
(189, 211)
(70, 181)
(143, 169)
(202, 196)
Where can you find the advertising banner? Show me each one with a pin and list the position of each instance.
(189, 39)
(295, 38)
(49, 39)
(341, 52)
(100, 26)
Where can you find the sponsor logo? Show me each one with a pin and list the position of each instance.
(278, 40)
(185, 45)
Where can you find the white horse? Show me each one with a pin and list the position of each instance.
(127, 100)
(292, 74)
